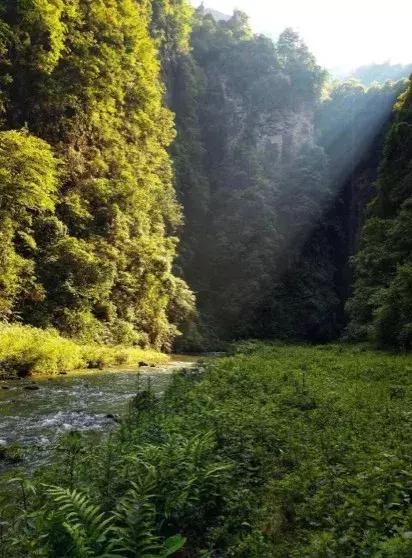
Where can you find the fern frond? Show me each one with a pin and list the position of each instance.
(135, 521)
(85, 523)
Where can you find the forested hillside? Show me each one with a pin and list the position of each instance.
(381, 307)
(380, 73)
(244, 153)
(275, 166)
(145, 147)
(352, 122)
(88, 209)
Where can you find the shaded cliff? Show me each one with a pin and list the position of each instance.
(273, 177)
(381, 306)
(250, 174)
(351, 125)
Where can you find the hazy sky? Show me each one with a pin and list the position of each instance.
(345, 33)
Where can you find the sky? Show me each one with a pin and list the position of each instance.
(342, 34)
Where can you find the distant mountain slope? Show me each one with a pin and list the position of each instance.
(218, 16)
(381, 73)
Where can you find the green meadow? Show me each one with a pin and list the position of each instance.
(274, 451)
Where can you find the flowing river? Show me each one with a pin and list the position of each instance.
(34, 413)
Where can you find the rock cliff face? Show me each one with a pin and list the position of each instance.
(280, 133)
(266, 189)
(252, 180)
(357, 192)
(285, 133)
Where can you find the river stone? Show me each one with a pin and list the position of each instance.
(113, 417)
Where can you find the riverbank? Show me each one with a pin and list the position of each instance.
(274, 451)
(26, 351)
(36, 412)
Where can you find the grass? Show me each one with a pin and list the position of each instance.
(26, 350)
(276, 451)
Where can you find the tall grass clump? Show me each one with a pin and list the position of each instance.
(26, 350)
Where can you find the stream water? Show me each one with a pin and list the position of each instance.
(34, 413)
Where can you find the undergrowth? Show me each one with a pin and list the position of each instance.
(276, 451)
(27, 350)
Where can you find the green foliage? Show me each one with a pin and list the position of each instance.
(85, 78)
(294, 57)
(380, 307)
(126, 532)
(275, 451)
(93, 166)
(246, 164)
(148, 480)
(25, 350)
(28, 174)
(171, 27)
(89, 228)
(28, 185)
(76, 527)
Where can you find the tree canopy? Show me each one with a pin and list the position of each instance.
(85, 78)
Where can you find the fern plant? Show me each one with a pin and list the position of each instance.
(127, 532)
(86, 526)
(134, 534)
(187, 475)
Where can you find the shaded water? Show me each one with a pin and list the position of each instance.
(83, 401)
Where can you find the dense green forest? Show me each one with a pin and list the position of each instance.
(275, 167)
(264, 176)
(381, 306)
(88, 209)
(170, 181)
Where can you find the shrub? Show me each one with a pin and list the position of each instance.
(25, 350)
